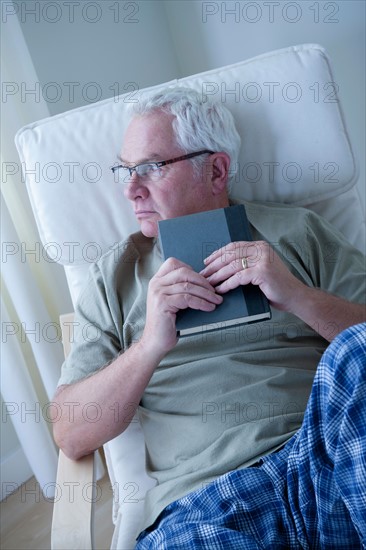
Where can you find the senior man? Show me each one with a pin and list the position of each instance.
(240, 459)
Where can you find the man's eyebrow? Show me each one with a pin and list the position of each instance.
(154, 157)
(121, 159)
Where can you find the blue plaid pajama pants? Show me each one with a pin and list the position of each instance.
(311, 494)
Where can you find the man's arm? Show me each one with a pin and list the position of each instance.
(325, 313)
(96, 409)
(100, 407)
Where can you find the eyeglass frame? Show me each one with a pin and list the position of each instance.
(161, 163)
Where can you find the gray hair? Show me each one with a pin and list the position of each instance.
(199, 123)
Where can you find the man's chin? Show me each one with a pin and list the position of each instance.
(149, 228)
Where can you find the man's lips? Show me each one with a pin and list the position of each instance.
(144, 213)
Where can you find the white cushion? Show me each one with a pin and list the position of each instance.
(295, 149)
(125, 457)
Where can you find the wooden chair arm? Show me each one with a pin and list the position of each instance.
(73, 512)
(73, 509)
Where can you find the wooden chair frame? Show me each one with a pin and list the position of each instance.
(73, 513)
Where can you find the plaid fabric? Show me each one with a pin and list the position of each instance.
(311, 494)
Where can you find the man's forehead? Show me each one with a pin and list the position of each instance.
(148, 137)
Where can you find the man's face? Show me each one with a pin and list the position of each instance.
(177, 191)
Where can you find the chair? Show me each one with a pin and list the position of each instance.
(295, 150)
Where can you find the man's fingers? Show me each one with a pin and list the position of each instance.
(184, 301)
(233, 259)
(233, 268)
(175, 272)
(239, 278)
(171, 264)
(179, 287)
(191, 290)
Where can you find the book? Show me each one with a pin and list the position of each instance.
(193, 238)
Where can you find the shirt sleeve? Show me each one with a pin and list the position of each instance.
(334, 264)
(95, 341)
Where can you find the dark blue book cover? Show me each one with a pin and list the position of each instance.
(194, 237)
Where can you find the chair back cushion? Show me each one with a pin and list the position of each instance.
(295, 149)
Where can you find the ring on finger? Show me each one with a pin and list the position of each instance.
(244, 262)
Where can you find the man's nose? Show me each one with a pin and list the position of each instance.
(134, 188)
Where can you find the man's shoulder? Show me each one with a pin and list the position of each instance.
(258, 208)
(118, 263)
(127, 251)
(277, 217)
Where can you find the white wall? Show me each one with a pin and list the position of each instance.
(96, 49)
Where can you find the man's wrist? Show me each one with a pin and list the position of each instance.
(151, 350)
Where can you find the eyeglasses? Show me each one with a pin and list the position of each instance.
(149, 170)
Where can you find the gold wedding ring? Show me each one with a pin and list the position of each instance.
(244, 262)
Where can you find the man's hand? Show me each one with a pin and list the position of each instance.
(325, 313)
(175, 286)
(224, 270)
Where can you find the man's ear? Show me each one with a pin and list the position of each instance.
(220, 164)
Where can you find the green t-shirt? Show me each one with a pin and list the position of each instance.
(221, 400)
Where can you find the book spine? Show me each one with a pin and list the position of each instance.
(239, 229)
(238, 225)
